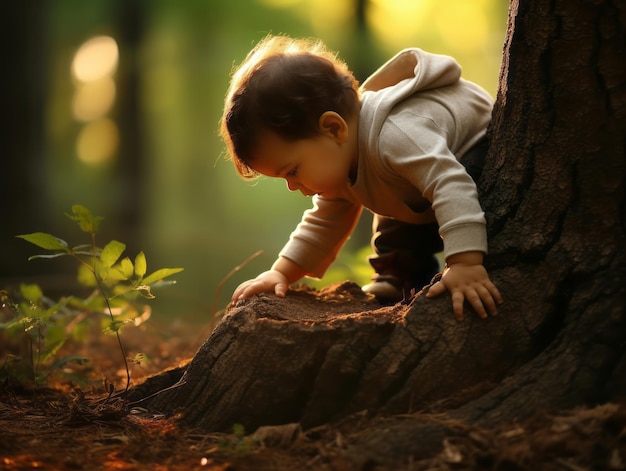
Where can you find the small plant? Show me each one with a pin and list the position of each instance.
(237, 444)
(117, 283)
(40, 320)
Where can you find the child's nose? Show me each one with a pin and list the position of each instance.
(292, 185)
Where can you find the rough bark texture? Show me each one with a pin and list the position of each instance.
(554, 195)
(317, 356)
(553, 192)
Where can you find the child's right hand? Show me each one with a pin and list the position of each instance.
(271, 280)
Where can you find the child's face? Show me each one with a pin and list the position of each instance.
(317, 165)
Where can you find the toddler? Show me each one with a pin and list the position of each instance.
(407, 146)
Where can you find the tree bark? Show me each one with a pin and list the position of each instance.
(553, 193)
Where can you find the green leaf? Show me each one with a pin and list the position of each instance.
(61, 304)
(87, 221)
(31, 292)
(160, 274)
(239, 430)
(126, 268)
(81, 383)
(111, 252)
(114, 274)
(141, 358)
(93, 304)
(106, 276)
(15, 324)
(121, 290)
(86, 276)
(116, 326)
(45, 241)
(55, 338)
(71, 359)
(140, 265)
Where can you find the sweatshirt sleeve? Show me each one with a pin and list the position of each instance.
(428, 164)
(321, 233)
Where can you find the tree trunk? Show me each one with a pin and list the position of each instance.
(22, 100)
(553, 192)
(130, 18)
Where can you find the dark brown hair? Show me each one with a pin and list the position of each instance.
(284, 85)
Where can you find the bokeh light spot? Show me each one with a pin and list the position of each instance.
(98, 141)
(463, 25)
(95, 59)
(330, 16)
(396, 22)
(92, 100)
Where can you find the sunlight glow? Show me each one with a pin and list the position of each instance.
(462, 25)
(397, 21)
(95, 59)
(97, 141)
(328, 16)
(92, 100)
(93, 67)
(279, 3)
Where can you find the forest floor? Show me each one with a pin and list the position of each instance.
(61, 427)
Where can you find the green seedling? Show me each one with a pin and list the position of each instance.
(40, 321)
(117, 282)
(238, 444)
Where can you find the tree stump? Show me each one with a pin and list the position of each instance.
(554, 194)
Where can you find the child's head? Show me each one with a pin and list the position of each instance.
(284, 85)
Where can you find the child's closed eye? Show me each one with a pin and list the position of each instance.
(292, 172)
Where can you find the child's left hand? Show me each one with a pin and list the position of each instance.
(468, 282)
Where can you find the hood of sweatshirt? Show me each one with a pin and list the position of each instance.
(431, 71)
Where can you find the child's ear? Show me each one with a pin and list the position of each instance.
(334, 126)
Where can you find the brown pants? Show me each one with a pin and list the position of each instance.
(405, 253)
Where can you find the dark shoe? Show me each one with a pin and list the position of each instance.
(399, 276)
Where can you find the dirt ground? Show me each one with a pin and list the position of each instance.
(64, 428)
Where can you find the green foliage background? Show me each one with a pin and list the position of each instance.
(194, 211)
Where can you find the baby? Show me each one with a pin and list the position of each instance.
(407, 146)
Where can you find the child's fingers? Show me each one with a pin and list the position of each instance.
(495, 292)
(488, 300)
(237, 294)
(435, 290)
(474, 299)
(281, 290)
(457, 305)
(483, 298)
(245, 293)
(249, 288)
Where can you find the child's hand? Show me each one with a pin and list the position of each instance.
(271, 280)
(471, 283)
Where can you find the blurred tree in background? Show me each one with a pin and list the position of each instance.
(115, 105)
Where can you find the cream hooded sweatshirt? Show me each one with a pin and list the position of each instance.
(410, 137)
